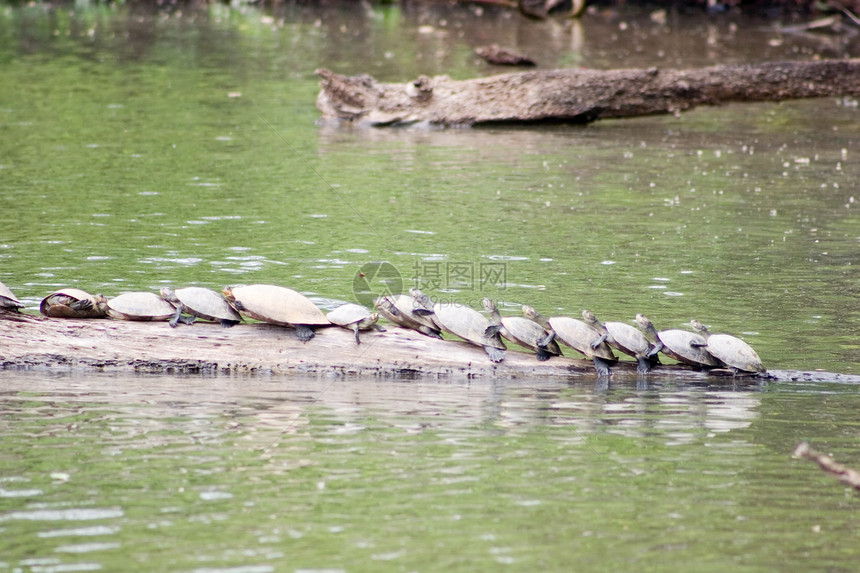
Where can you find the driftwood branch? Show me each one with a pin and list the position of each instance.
(844, 474)
(578, 96)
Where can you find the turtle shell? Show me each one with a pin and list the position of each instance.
(527, 333)
(349, 314)
(734, 352)
(140, 306)
(579, 336)
(275, 305)
(73, 303)
(467, 323)
(207, 304)
(687, 347)
(626, 338)
(8, 298)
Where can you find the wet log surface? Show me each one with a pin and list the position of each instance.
(29, 342)
(576, 95)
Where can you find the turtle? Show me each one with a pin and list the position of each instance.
(730, 350)
(73, 303)
(520, 330)
(577, 335)
(682, 345)
(626, 338)
(399, 310)
(140, 306)
(277, 305)
(200, 302)
(8, 300)
(354, 317)
(470, 325)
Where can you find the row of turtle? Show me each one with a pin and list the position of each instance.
(591, 337)
(286, 307)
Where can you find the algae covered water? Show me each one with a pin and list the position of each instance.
(176, 148)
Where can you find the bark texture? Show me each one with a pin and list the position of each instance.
(578, 96)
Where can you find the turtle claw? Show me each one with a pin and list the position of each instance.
(492, 330)
(495, 354)
(81, 305)
(546, 340)
(174, 321)
(601, 366)
(304, 332)
(654, 351)
(432, 333)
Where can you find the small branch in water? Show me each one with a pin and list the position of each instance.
(844, 474)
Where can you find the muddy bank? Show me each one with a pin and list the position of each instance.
(33, 342)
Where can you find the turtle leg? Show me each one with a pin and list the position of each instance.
(599, 341)
(189, 319)
(601, 366)
(304, 332)
(492, 330)
(544, 342)
(379, 328)
(653, 352)
(543, 354)
(495, 354)
(355, 330)
(644, 366)
(177, 315)
(432, 333)
(227, 323)
(81, 305)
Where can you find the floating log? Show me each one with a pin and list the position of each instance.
(576, 95)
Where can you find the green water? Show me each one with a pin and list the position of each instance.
(361, 475)
(140, 150)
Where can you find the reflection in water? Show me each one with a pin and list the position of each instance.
(277, 469)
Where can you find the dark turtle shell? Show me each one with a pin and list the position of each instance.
(73, 303)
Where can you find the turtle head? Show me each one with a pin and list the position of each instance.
(101, 302)
(644, 322)
(227, 291)
(531, 314)
(167, 294)
(699, 327)
(422, 299)
(488, 305)
(589, 317)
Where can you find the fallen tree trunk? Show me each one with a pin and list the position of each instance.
(29, 342)
(579, 96)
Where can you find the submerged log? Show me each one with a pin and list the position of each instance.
(578, 96)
